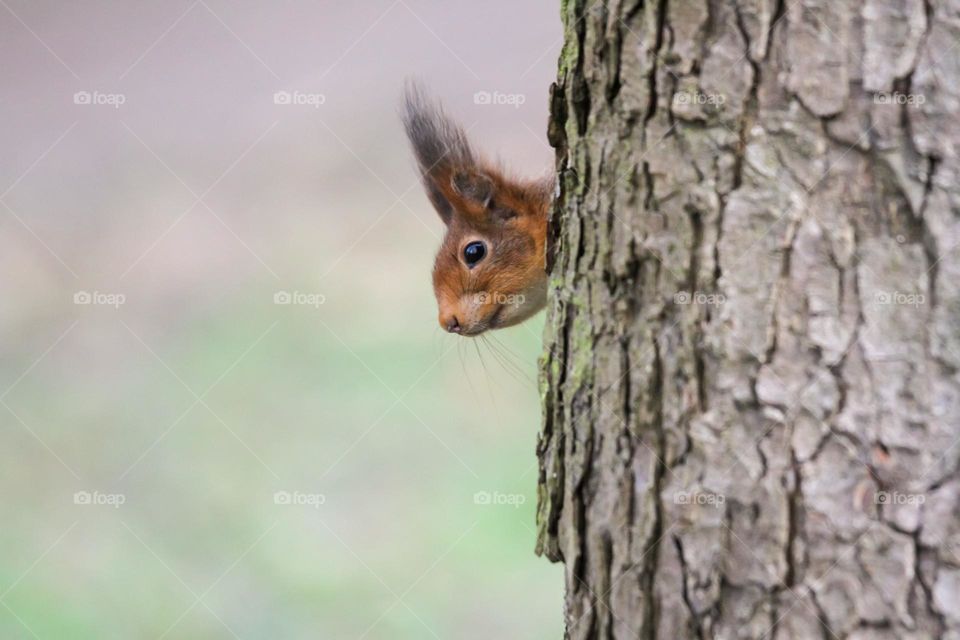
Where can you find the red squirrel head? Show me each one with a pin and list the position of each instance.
(490, 269)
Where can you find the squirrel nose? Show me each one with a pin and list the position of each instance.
(451, 324)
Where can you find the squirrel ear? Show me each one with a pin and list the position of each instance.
(473, 186)
(439, 145)
(438, 199)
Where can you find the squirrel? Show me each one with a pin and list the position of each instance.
(490, 271)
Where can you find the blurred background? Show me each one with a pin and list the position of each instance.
(227, 409)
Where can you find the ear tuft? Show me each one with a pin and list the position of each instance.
(439, 145)
(472, 186)
(435, 138)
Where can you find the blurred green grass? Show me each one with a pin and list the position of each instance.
(294, 398)
(398, 435)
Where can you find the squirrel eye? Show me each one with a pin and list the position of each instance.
(474, 253)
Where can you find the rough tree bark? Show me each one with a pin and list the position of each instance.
(750, 380)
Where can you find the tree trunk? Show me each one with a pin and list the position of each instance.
(750, 380)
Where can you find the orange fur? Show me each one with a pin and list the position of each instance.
(479, 203)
